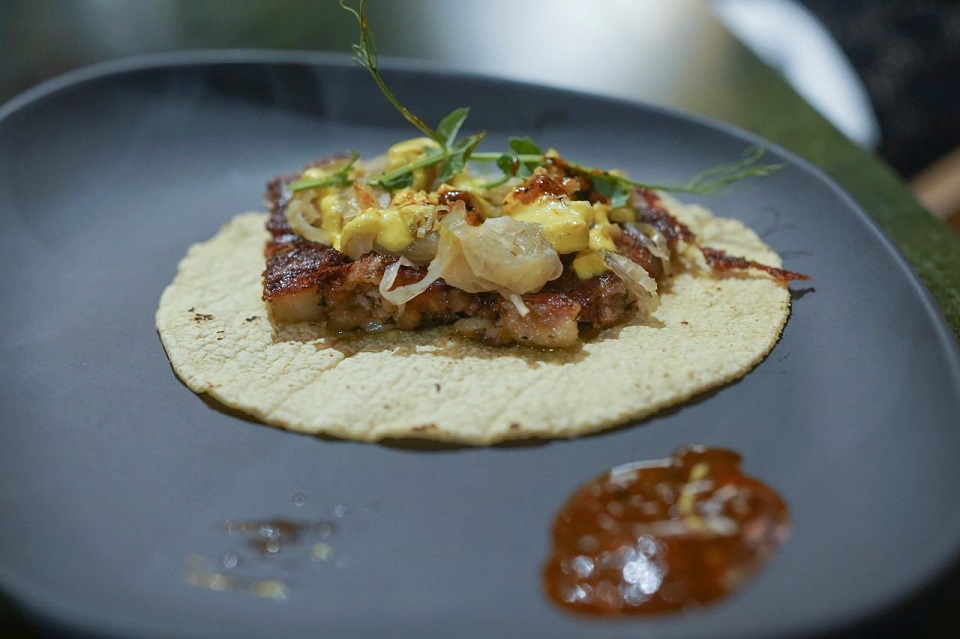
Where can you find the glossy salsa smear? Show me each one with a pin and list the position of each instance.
(658, 536)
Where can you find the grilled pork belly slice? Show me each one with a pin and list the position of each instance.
(290, 279)
(317, 284)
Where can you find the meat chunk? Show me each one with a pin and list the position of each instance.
(551, 321)
(291, 277)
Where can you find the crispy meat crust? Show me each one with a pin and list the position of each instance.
(652, 212)
(298, 266)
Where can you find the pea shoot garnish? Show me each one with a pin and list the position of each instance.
(451, 154)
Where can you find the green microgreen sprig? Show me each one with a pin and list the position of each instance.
(366, 54)
(616, 187)
(340, 177)
(718, 177)
(452, 154)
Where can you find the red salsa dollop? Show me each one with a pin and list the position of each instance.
(658, 536)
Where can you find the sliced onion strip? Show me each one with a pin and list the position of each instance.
(638, 282)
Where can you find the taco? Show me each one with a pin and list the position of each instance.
(409, 296)
(705, 318)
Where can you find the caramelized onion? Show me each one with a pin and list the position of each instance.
(403, 294)
(501, 253)
(423, 249)
(301, 215)
(359, 244)
(651, 237)
(638, 282)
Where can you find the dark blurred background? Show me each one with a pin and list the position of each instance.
(907, 53)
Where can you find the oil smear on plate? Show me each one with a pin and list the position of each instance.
(661, 536)
(260, 550)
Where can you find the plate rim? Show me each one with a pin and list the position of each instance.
(55, 611)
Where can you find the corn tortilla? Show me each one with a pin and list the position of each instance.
(709, 330)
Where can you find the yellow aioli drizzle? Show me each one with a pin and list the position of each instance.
(390, 228)
(566, 224)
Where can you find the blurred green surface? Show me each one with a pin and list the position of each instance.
(760, 102)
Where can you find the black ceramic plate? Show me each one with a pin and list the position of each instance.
(116, 481)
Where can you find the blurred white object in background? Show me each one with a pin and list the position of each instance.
(611, 48)
(616, 49)
(790, 39)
